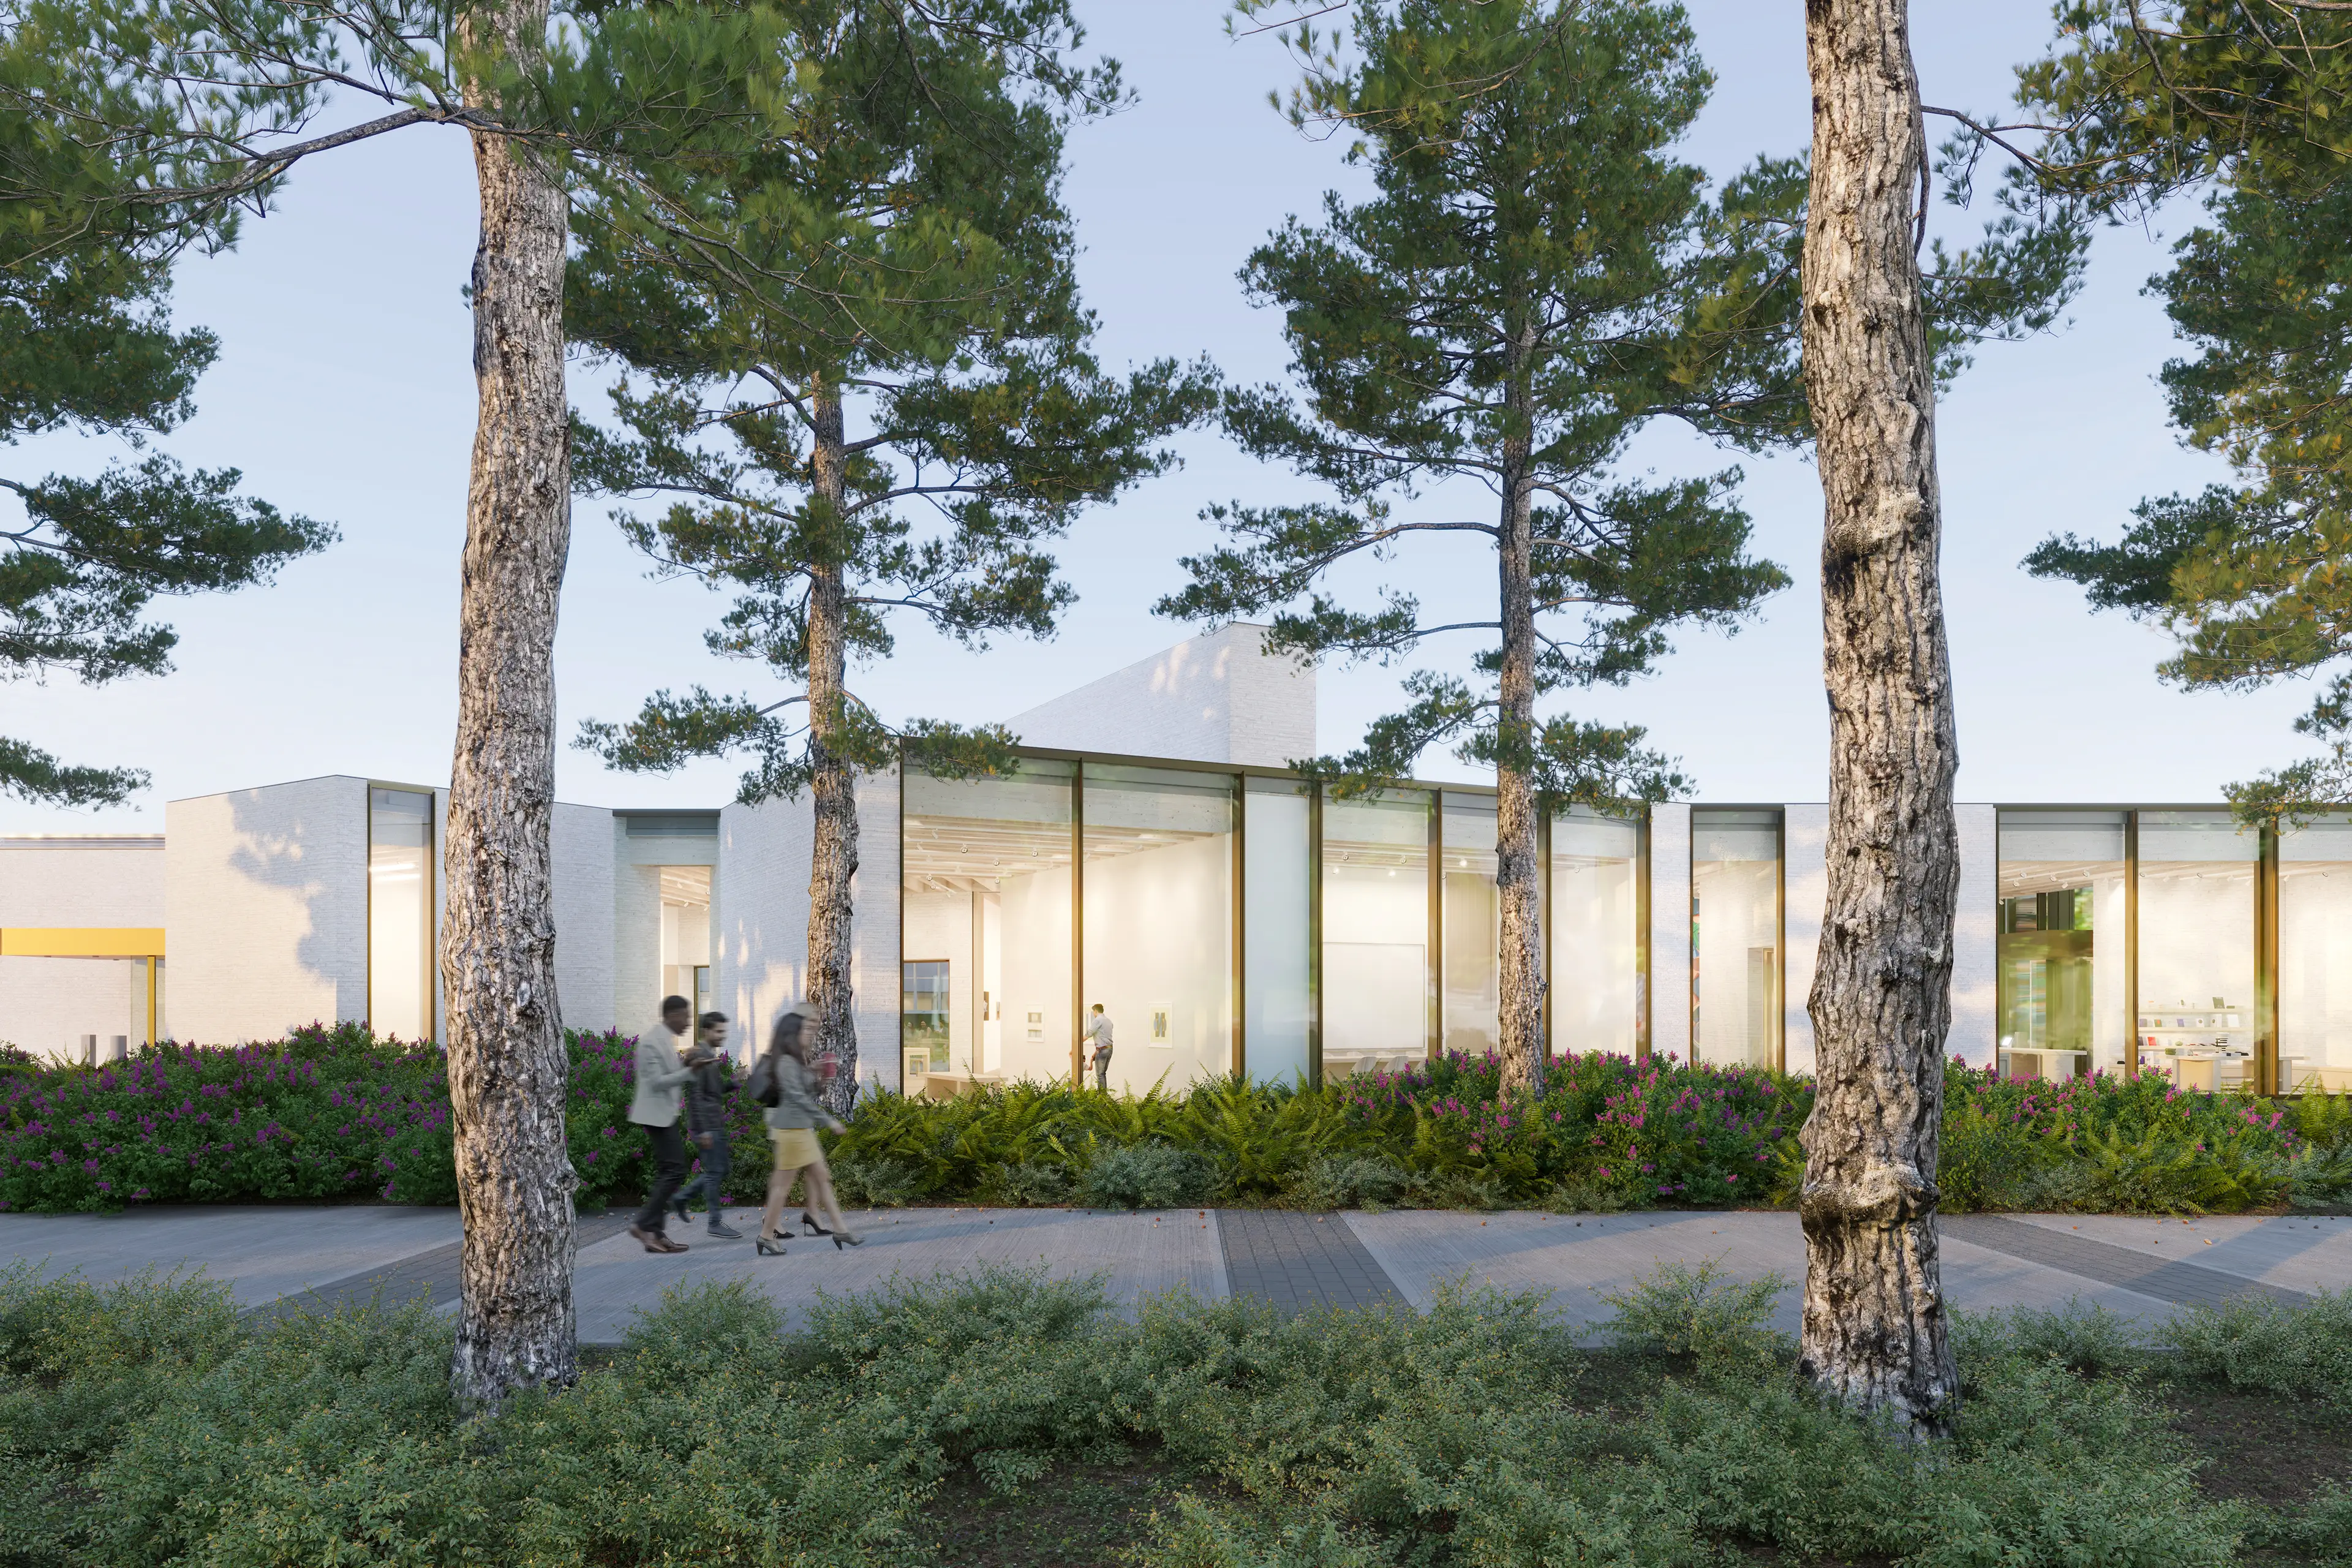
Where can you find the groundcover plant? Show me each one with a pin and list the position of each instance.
(970, 1420)
(331, 1112)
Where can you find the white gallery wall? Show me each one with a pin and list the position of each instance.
(47, 1005)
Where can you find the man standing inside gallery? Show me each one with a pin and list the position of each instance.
(659, 1075)
(1098, 1047)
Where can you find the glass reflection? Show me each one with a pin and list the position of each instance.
(1735, 937)
(1470, 973)
(1158, 922)
(1376, 985)
(2059, 958)
(400, 912)
(1275, 871)
(2197, 948)
(1595, 975)
(987, 873)
(2314, 1003)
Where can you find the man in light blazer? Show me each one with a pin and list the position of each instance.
(660, 1075)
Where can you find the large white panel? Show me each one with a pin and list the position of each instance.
(1975, 1003)
(1275, 880)
(266, 909)
(1805, 893)
(1670, 927)
(582, 860)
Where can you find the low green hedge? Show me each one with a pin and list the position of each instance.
(332, 1113)
(148, 1423)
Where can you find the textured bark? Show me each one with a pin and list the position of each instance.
(1874, 1328)
(1516, 867)
(833, 862)
(509, 1074)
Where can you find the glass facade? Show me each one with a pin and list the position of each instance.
(1258, 924)
(400, 913)
(924, 1012)
(1278, 1005)
(1735, 937)
(686, 934)
(1377, 1006)
(2315, 956)
(1596, 978)
(986, 873)
(2195, 917)
(2060, 944)
(1469, 973)
(1159, 900)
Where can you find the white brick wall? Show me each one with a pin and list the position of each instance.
(47, 1005)
(581, 857)
(265, 908)
(762, 960)
(1213, 699)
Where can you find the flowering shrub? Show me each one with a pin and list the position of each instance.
(330, 1112)
(334, 1113)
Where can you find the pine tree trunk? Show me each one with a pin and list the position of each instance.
(1516, 843)
(833, 861)
(1874, 1329)
(509, 1074)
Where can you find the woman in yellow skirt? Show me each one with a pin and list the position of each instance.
(792, 1122)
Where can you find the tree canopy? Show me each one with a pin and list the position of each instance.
(864, 366)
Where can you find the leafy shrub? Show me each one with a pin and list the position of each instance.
(2253, 1341)
(1461, 1435)
(876, 1182)
(1148, 1176)
(1706, 1313)
(2081, 1336)
(1356, 1182)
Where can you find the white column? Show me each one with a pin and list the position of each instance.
(1670, 928)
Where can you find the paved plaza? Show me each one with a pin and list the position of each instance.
(293, 1259)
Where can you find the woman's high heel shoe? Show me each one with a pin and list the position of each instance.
(809, 1223)
(842, 1238)
(769, 1245)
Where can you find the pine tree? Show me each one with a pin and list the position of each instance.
(1534, 279)
(2249, 577)
(868, 394)
(87, 345)
(171, 114)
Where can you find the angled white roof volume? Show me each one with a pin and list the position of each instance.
(1220, 697)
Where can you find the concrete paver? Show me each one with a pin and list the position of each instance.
(1143, 1254)
(319, 1254)
(2298, 1252)
(265, 1251)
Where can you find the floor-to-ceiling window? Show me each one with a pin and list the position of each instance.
(2197, 882)
(400, 913)
(1735, 937)
(686, 934)
(925, 1012)
(2059, 959)
(2315, 956)
(1376, 897)
(1595, 994)
(1275, 873)
(1158, 901)
(1469, 969)
(987, 881)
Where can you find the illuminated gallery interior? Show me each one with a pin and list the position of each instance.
(1152, 853)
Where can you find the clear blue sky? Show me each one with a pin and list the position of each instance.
(344, 391)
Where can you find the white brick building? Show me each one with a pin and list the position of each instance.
(1154, 856)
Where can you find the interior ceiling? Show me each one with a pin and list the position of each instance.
(686, 884)
(2019, 877)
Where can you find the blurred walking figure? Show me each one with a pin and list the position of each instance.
(706, 1121)
(1098, 1038)
(660, 1075)
(785, 1083)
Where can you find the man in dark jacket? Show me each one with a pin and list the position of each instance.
(706, 1120)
